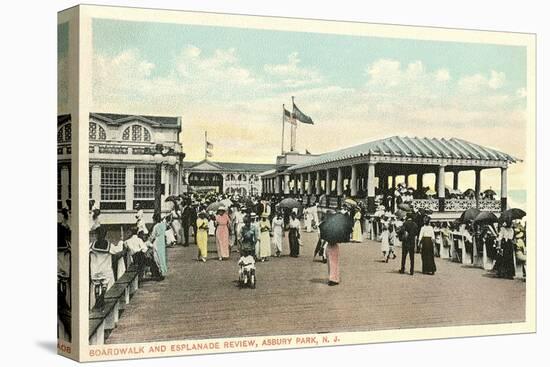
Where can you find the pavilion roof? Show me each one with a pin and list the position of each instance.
(412, 147)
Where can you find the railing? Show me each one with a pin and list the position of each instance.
(458, 205)
(426, 204)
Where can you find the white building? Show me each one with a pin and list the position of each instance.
(226, 177)
(122, 162)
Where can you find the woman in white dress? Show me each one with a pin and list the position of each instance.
(265, 238)
(278, 233)
(357, 236)
(385, 238)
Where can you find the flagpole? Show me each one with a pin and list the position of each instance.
(293, 129)
(283, 133)
(205, 146)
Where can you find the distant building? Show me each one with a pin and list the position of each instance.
(122, 166)
(224, 177)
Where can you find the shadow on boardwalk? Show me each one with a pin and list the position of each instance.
(201, 300)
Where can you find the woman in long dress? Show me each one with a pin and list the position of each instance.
(357, 235)
(158, 238)
(222, 234)
(202, 236)
(265, 238)
(426, 239)
(294, 235)
(278, 233)
(385, 238)
(505, 266)
(333, 261)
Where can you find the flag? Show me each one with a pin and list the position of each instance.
(208, 153)
(300, 116)
(209, 145)
(288, 117)
(308, 152)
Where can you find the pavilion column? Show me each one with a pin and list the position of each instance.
(339, 182)
(503, 188)
(477, 186)
(302, 184)
(419, 181)
(309, 184)
(295, 184)
(406, 180)
(370, 188)
(318, 183)
(455, 180)
(353, 183)
(441, 188)
(286, 187)
(277, 184)
(327, 182)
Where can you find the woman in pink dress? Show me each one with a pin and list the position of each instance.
(222, 233)
(333, 260)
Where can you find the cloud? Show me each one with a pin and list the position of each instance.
(241, 109)
(291, 74)
(479, 82)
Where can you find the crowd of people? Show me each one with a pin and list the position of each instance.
(255, 227)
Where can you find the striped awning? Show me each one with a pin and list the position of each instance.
(397, 146)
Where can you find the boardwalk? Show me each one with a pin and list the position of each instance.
(201, 300)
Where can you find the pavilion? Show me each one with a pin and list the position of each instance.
(356, 171)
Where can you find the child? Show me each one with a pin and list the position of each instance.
(247, 269)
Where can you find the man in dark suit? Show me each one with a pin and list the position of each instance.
(407, 234)
(189, 219)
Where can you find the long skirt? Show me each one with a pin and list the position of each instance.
(293, 242)
(278, 240)
(265, 245)
(505, 266)
(428, 262)
(222, 241)
(385, 242)
(357, 235)
(333, 259)
(202, 243)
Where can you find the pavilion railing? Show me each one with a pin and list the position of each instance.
(457, 205)
(426, 204)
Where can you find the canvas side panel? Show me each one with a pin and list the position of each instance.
(67, 281)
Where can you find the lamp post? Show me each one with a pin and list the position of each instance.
(160, 151)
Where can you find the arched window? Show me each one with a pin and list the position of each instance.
(96, 132)
(64, 133)
(136, 133)
(241, 177)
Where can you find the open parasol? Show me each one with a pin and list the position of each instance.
(406, 207)
(290, 203)
(469, 193)
(336, 228)
(489, 192)
(400, 213)
(485, 218)
(350, 202)
(214, 206)
(171, 198)
(511, 214)
(469, 215)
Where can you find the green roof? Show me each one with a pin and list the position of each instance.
(416, 147)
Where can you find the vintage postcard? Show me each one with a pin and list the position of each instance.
(240, 183)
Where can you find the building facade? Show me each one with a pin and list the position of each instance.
(124, 163)
(224, 177)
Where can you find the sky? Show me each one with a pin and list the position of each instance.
(232, 82)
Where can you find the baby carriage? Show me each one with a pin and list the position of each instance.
(247, 271)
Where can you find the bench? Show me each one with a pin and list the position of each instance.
(115, 300)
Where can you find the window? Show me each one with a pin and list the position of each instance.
(64, 133)
(113, 184)
(136, 133)
(96, 132)
(144, 183)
